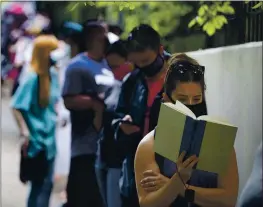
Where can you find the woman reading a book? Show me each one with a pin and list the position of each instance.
(162, 183)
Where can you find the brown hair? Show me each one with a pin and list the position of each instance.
(181, 57)
(172, 75)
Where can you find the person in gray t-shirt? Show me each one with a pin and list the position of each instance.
(251, 195)
(86, 81)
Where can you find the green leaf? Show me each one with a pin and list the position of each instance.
(222, 19)
(89, 3)
(209, 28)
(132, 7)
(258, 5)
(219, 21)
(213, 12)
(216, 23)
(227, 8)
(192, 23)
(200, 20)
(205, 26)
(201, 11)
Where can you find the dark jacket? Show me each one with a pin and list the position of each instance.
(133, 101)
(109, 152)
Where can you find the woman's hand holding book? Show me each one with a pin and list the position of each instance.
(185, 168)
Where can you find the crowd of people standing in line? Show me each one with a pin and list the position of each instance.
(111, 92)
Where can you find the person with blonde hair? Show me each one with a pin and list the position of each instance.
(36, 100)
(161, 182)
(23, 55)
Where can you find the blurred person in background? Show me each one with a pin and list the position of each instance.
(30, 29)
(136, 102)
(115, 29)
(71, 34)
(11, 49)
(86, 81)
(22, 59)
(109, 160)
(117, 59)
(36, 100)
(252, 193)
(70, 42)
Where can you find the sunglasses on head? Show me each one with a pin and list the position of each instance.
(184, 66)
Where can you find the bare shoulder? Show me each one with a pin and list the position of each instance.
(145, 151)
(145, 156)
(147, 142)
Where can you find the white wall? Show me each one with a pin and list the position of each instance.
(234, 91)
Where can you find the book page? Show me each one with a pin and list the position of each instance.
(215, 120)
(181, 108)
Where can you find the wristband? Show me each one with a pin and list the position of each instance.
(189, 195)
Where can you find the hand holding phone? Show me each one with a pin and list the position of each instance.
(127, 125)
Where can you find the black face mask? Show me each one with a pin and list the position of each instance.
(198, 109)
(154, 68)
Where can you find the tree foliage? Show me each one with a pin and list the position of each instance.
(211, 16)
(165, 16)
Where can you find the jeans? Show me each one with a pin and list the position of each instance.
(101, 175)
(113, 189)
(108, 181)
(40, 192)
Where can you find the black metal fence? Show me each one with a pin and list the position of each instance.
(245, 26)
(253, 22)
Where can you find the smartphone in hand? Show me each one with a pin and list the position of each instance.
(128, 122)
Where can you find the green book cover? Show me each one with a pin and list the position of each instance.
(210, 139)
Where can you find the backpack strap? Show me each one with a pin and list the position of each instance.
(159, 159)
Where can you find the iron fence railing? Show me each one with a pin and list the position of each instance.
(243, 27)
(253, 22)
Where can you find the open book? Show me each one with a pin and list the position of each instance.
(178, 130)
